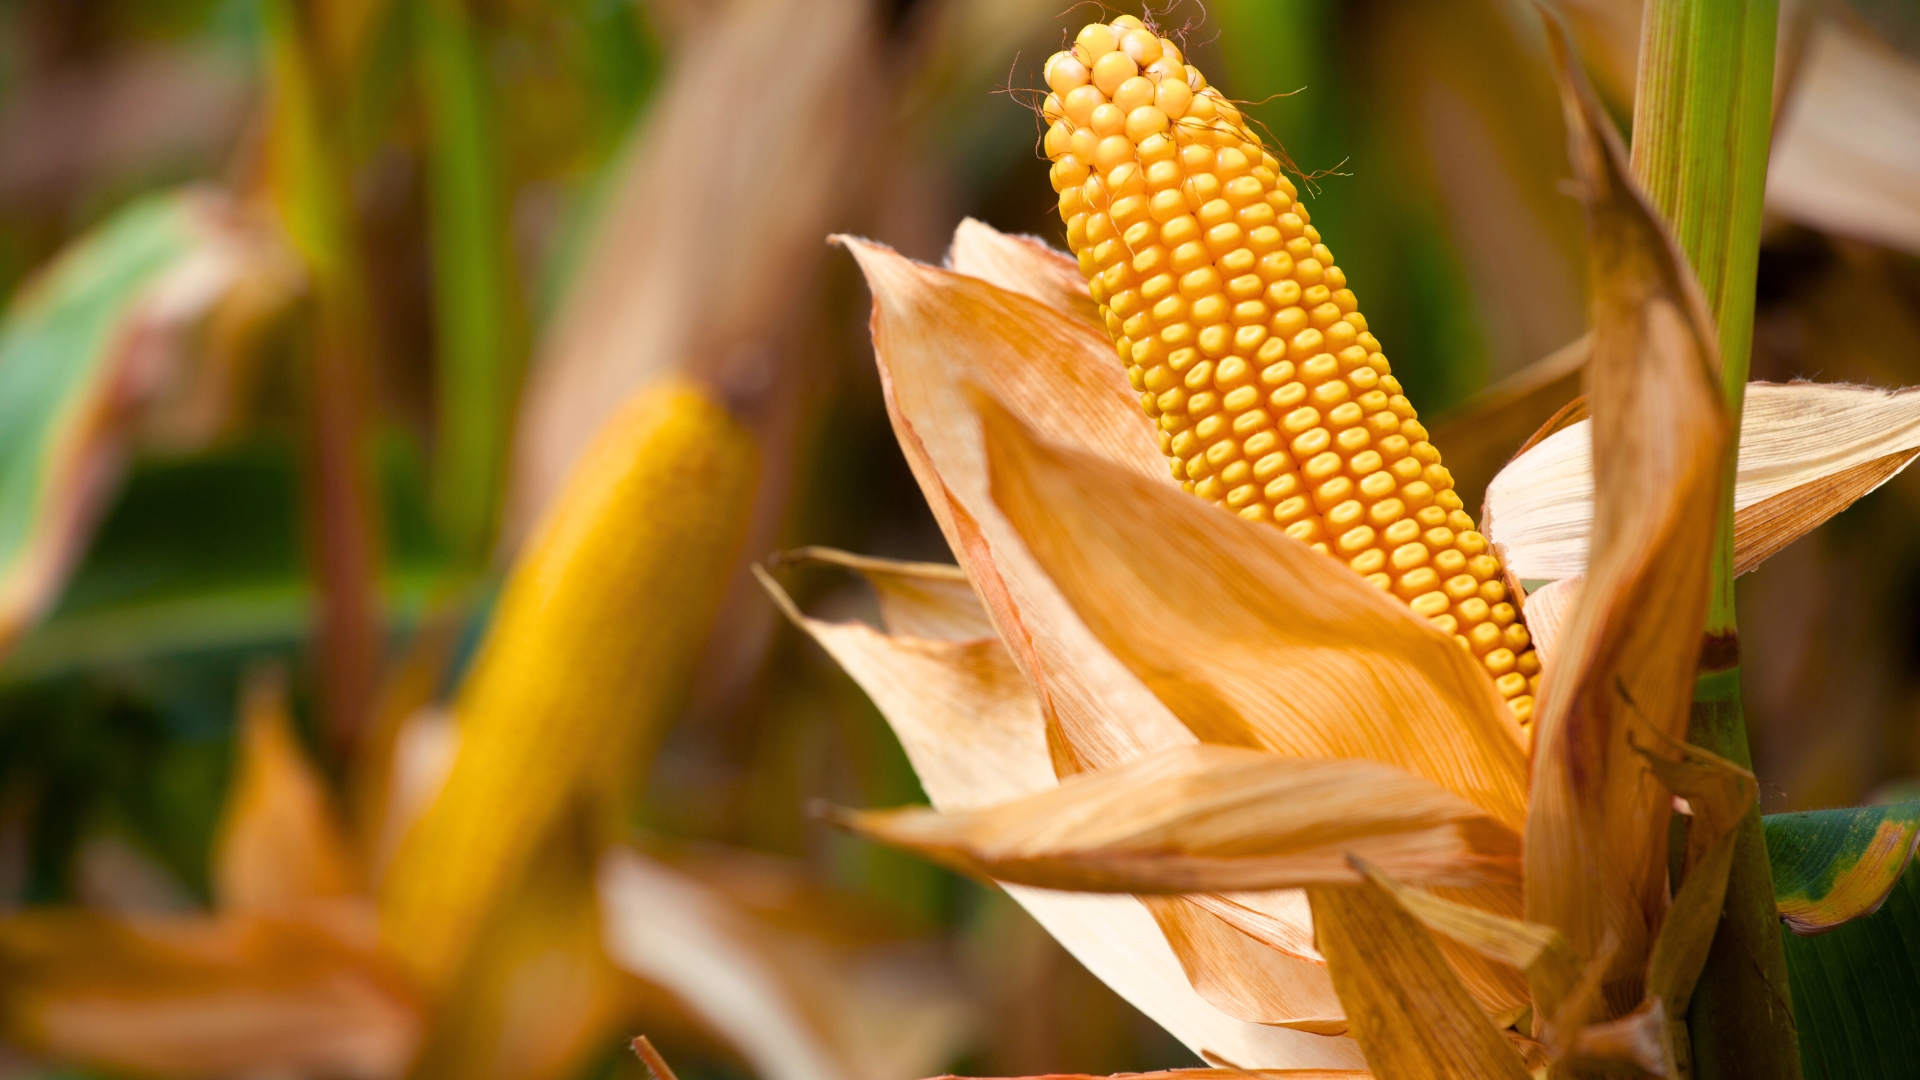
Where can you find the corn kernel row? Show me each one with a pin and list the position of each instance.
(1246, 345)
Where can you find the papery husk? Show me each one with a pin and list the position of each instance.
(280, 843)
(936, 334)
(1201, 819)
(1026, 265)
(1407, 1009)
(695, 266)
(1548, 609)
(1290, 654)
(923, 600)
(973, 730)
(1216, 1073)
(1842, 158)
(1244, 977)
(1807, 452)
(193, 996)
(591, 648)
(1293, 655)
(1596, 826)
(1553, 970)
(794, 1008)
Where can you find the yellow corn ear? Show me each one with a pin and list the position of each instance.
(590, 650)
(1246, 345)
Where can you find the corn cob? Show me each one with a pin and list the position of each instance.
(1246, 345)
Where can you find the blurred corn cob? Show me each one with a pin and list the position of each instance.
(1246, 345)
(591, 649)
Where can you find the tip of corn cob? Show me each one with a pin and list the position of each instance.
(1246, 345)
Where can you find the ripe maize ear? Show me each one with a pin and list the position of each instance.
(1246, 345)
(590, 648)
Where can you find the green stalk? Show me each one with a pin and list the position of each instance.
(474, 304)
(1702, 125)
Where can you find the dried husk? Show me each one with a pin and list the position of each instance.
(1407, 1009)
(1201, 819)
(937, 334)
(1596, 825)
(1807, 452)
(975, 735)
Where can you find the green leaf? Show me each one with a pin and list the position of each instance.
(1856, 990)
(1831, 866)
(474, 301)
(80, 351)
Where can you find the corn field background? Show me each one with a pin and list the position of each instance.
(458, 232)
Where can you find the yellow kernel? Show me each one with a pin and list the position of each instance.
(1499, 661)
(1512, 684)
(1429, 605)
(1419, 582)
(1484, 637)
(1446, 624)
(1112, 69)
(1386, 512)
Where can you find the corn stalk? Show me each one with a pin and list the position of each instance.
(1702, 124)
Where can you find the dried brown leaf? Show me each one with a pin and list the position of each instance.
(1596, 825)
(1719, 793)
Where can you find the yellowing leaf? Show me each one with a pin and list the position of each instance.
(1833, 866)
(1203, 819)
(85, 347)
(974, 733)
(1407, 1009)
(937, 333)
(591, 647)
(200, 997)
(1807, 452)
(280, 843)
(1596, 825)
